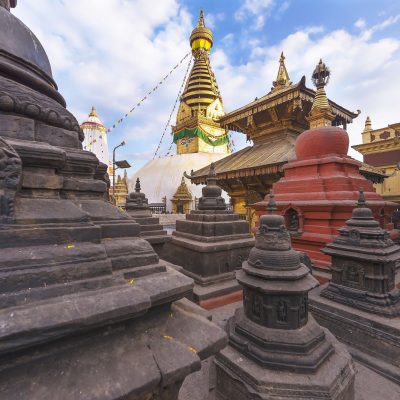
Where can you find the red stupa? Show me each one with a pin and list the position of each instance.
(320, 188)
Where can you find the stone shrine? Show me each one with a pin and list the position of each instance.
(361, 304)
(137, 206)
(210, 245)
(317, 193)
(86, 309)
(276, 349)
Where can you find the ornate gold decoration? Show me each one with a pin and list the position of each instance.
(321, 112)
(282, 79)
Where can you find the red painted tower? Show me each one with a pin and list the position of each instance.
(320, 188)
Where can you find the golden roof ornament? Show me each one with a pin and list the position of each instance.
(321, 111)
(368, 125)
(282, 79)
(93, 113)
(201, 39)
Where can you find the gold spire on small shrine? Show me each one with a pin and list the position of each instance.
(93, 113)
(321, 111)
(282, 78)
(368, 125)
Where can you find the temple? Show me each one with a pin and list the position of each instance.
(273, 123)
(316, 195)
(198, 134)
(381, 148)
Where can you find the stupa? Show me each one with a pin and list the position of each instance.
(137, 206)
(361, 304)
(86, 309)
(96, 137)
(210, 245)
(199, 137)
(318, 191)
(276, 349)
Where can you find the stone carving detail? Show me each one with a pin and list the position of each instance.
(282, 311)
(256, 306)
(10, 176)
(25, 101)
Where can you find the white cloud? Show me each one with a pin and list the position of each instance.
(257, 9)
(362, 73)
(360, 23)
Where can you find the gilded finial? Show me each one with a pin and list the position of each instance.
(361, 198)
(282, 78)
(137, 186)
(201, 39)
(321, 111)
(271, 208)
(93, 113)
(368, 125)
(200, 22)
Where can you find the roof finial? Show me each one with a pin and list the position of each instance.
(93, 113)
(282, 78)
(271, 208)
(200, 22)
(361, 198)
(368, 125)
(137, 186)
(321, 111)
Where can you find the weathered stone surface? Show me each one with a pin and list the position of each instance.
(87, 310)
(276, 349)
(210, 244)
(137, 206)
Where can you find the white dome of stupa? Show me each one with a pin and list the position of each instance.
(162, 176)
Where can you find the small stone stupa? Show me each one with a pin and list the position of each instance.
(210, 245)
(276, 348)
(86, 309)
(361, 304)
(137, 206)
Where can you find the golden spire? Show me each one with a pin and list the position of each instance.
(368, 125)
(282, 78)
(201, 87)
(200, 22)
(321, 111)
(201, 39)
(93, 113)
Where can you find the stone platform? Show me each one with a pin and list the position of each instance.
(200, 385)
(372, 339)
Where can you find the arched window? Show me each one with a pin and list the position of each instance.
(292, 220)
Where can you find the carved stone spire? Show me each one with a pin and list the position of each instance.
(211, 199)
(282, 78)
(137, 186)
(321, 111)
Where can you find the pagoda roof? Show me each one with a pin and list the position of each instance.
(263, 159)
(275, 97)
(258, 159)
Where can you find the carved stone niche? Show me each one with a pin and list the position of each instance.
(293, 221)
(10, 180)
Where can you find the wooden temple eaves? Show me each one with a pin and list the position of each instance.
(285, 103)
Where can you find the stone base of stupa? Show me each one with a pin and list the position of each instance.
(212, 265)
(240, 378)
(372, 339)
(152, 231)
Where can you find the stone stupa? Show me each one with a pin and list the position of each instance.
(210, 245)
(276, 349)
(361, 304)
(137, 206)
(86, 308)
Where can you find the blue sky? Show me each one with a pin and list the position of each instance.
(109, 53)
